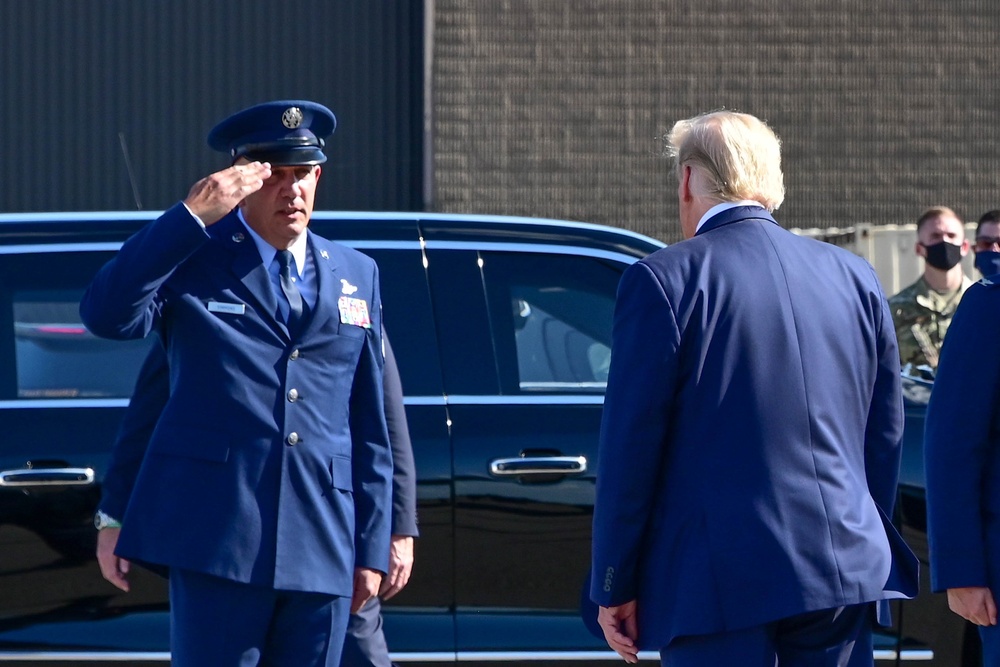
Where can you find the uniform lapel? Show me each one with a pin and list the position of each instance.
(327, 284)
(249, 270)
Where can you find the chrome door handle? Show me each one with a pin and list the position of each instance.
(47, 477)
(539, 465)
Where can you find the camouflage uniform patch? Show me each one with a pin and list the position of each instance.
(921, 317)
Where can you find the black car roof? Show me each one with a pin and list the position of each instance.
(347, 226)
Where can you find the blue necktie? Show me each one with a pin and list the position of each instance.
(290, 290)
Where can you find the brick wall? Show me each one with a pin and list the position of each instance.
(556, 108)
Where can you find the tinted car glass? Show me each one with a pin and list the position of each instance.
(56, 357)
(553, 351)
(551, 316)
(53, 355)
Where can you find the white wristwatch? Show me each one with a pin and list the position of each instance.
(103, 520)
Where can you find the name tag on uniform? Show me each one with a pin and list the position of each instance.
(354, 311)
(230, 308)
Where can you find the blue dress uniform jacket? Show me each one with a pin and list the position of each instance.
(750, 441)
(270, 464)
(962, 447)
(152, 389)
(365, 642)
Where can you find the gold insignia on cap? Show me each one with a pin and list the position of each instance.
(292, 117)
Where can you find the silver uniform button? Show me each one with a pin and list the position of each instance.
(292, 438)
(294, 355)
(293, 395)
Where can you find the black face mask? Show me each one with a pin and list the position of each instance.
(943, 255)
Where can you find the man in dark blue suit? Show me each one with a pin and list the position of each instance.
(266, 487)
(961, 445)
(365, 644)
(751, 434)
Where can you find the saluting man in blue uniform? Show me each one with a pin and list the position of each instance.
(266, 486)
(365, 644)
(751, 432)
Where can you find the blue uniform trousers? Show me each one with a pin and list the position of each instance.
(216, 622)
(991, 645)
(840, 637)
(365, 643)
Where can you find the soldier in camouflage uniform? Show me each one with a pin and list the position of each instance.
(922, 316)
(923, 311)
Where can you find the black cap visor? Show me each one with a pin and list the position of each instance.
(282, 153)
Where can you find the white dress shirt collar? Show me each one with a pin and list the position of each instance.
(268, 251)
(725, 206)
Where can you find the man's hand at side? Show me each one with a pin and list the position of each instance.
(400, 566)
(974, 603)
(366, 583)
(113, 568)
(620, 630)
(217, 194)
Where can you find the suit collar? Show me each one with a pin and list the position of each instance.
(735, 214)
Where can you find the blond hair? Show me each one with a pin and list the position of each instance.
(738, 155)
(935, 212)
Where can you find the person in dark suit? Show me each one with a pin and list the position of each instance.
(962, 468)
(266, 488)
(750, 440)
(365, 643)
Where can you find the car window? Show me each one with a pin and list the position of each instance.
(56, 357)
(554, 350)
(47, 352)
(551, 317)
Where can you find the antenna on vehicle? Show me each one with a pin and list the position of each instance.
(131, 174)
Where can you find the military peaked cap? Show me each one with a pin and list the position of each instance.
(284, 132)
